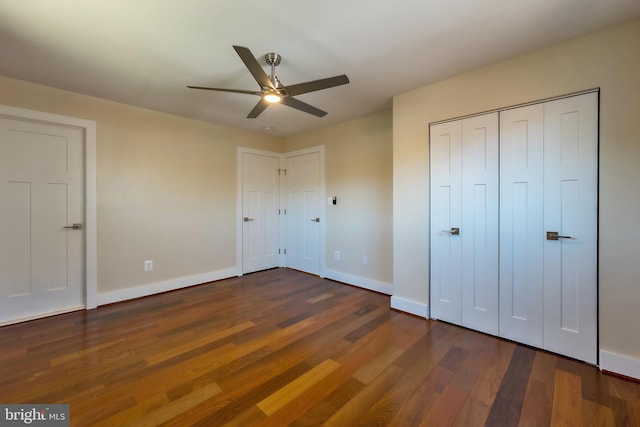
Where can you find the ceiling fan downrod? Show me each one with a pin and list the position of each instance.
(273, 59)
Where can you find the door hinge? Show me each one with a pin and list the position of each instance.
(280, 171)
(279, 251)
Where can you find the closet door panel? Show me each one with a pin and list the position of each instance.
(446, 249)
(521, 224)
(570, 209)
(479, 231)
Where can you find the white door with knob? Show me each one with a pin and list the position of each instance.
(446, 220)
(570, 210)
(260, 211)
(41, 219)
(464, 222)
(548, 225)
(303, 206)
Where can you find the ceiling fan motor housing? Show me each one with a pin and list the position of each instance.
(273, 58)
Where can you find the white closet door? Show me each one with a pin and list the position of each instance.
(464, 196)
(479, 230)
(446, 247)
(570, 209)
(521, 224)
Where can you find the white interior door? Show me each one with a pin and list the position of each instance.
(303, 216)
(464, 222)
(479, 231)
(446, 244)
(543, 290)
(521, 224)
(41, 194)
(260, 205)
(570, 209)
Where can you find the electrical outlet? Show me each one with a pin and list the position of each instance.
(365, 259)
(148, 265)
(336, 255)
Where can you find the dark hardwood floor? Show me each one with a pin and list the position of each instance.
(282, 347)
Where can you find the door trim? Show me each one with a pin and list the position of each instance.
(90, 173)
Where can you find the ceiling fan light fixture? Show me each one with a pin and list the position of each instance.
(272, 97)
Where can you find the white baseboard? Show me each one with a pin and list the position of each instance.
(410, 306)
(164, 286)
(41, 315)
(620, 364)
(361, 282)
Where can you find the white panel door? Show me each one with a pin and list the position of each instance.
(41, 193)
(464, 196)
(521, 224)
(570, 209)
(303, 212)
(445, 140)
(260, 205)
(479, 230)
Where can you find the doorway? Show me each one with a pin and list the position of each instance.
(281, 217)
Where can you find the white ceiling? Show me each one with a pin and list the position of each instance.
(144, 52)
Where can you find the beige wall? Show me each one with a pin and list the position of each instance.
(166, 186)
(358, 163)
(609, 60)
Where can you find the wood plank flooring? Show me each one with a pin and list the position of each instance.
(281, 347)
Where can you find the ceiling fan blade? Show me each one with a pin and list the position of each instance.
(218, 89)
(254, 67)
(312, 86)
(259, 108)
(302, 106)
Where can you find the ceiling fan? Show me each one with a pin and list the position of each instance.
(271, 88)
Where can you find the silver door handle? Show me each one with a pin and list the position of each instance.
(247, 219)
(75, 226)
(454, 231)
(315, 219)
(553, 235)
